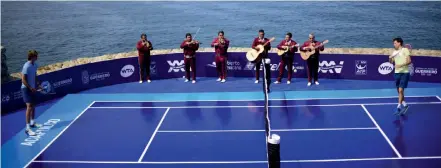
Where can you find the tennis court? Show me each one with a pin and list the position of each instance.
(228, 130)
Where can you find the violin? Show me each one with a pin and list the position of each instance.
(193, 42)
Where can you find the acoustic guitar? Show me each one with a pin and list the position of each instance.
(306, 54)
(281, 52)
(253, 54)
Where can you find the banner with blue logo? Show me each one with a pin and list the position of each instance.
(99, 74)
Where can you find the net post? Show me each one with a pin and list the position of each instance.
(274, 151)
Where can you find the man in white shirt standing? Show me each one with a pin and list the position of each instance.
(29, 89)
(401, 58)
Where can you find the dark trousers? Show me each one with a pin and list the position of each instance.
(267, 68)
(190, 62)
(221, 66)
(313, 65)
(267, 72)
(285, 61)
(144, 67)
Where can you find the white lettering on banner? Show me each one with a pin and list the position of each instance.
(62, 83)
(360, 67)
(325, 67)
(85, 77)
(176, 66)
(5, 98)
(99, 76)
(40, 132)
(273, 67)
(426, 71)
(213, 64)
(17, 95)
(385, 68)
(231, 65)
(153, 70)
(295, 67)
(127, 71)
(249, 66)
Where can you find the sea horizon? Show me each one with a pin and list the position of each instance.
(62, 30)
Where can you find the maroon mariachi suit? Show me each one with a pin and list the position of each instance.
(221, 57)
(144, 59)
(190, 58)
(313, 60)
(287, 58)
(257, 41)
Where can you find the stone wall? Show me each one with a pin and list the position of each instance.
(80, 61)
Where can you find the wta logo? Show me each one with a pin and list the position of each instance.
(127, 71)
(385, 68)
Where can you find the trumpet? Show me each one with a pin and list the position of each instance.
(146, 43)
(222, 41)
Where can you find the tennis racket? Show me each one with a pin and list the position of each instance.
(396, 52)
(46, 89)
(409, 47)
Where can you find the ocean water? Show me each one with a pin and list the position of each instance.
(63, 31)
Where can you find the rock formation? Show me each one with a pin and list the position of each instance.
(5, 73)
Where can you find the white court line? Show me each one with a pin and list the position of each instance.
(381, 131)
(438, 98)
(362, 159)
(183, 107)
(153, 136)
(116, 162)
(325, 98)
(273, 130)
(242, 162)
(53, 140)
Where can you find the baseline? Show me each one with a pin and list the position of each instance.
(53, 140)
(243, 162)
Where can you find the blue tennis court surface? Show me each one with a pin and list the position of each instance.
(343, 132)
(326, 128)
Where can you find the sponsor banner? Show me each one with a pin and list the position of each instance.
(73, 80)
(333, 66)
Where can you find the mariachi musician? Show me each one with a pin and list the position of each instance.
(144, 47)
(313, 60)
(220, 45)
(288, 47)
(261, 40)
(190, 47)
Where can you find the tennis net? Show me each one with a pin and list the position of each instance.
(272, 140)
